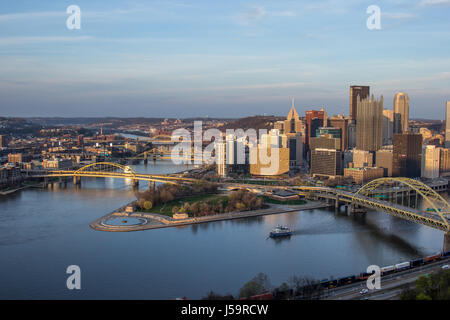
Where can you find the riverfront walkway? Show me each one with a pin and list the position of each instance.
(157, 221)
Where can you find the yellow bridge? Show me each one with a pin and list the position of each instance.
(115, 170)
(400, 197)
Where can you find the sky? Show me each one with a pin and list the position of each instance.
(173, 58)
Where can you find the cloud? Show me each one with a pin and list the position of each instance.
(30, 15)
(255, 14)
(252, 15)
(427, 3)
(398, 15)
(29, 40)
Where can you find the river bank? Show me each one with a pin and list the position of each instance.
(155, 221)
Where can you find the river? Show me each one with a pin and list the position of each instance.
(43, 231)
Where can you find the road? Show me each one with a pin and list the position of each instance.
(391, 285)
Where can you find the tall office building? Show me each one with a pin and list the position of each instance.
(326, 162)
(341, 122)
(295, 145)
(314, 120)
(430, 162)
(352, 134)
(362, 159)
(401, 112)
(325, 142)
(221, 165)
(293, 124)
(447, 125)
(388, 127)
(362, 92)
(369, 124)
(407, 154)
(444, 161)
(384, 159)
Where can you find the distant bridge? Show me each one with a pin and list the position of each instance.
(115, 170)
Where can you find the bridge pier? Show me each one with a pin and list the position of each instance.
(151, 186)
(76, 181)
(446, 246)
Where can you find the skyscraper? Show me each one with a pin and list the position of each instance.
(293, 124)
(362, 92)
(314, 120)
(326, 162)
(388, 126)
(401, 112)
(369, 124)
(407, 154)
(430, 162)
(447, 125)
(343, 123)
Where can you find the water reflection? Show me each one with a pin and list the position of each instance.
(49, 230)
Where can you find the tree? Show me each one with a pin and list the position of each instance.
(240, 206)
(258, 285)
(434, 286)
(215, 296)
(148, 205)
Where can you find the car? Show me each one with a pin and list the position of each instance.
(445, 266)
(363, 291)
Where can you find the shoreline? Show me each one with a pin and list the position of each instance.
(155, 221)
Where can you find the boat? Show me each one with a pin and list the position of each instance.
(280, 231)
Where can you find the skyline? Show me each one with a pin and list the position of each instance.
(181, 59)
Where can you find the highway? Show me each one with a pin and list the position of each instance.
(391, 285)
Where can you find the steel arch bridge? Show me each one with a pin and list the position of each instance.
(437, 215)
(382, 194)
(115, 170)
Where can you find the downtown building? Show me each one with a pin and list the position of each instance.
(272, 147)
(447, 125)
(369, 124)
(388, 127)
(326, 162)
(401, 113)
(342, 123)
(430, 161)
(407, 154)
(357, 92)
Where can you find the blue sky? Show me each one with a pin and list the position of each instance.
(173, 58)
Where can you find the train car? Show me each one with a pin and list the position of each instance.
(416, 262)
(324, 283)
(387, 270)
(282, 294)
(263, 296)
(432, 258)
(364, 276)
(402, 266)
(346, 280)
(333, 284)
